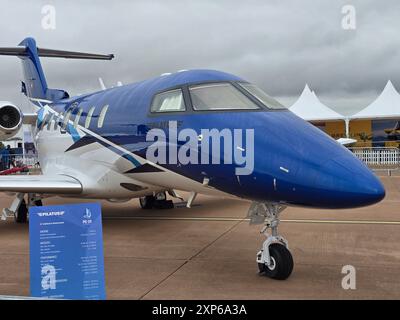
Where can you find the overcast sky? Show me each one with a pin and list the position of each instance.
(279, 45)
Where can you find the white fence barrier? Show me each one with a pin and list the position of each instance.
(27, 159)
(378, 156)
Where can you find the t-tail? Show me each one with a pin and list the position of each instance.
(34, 85)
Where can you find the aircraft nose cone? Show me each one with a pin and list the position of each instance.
(349, 183)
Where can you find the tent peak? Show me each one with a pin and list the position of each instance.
(389, 88)
(385, 106)
(307, 89)
(310, 108)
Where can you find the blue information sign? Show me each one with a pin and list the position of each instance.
(66, 251)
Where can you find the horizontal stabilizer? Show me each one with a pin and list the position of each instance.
(34, 84)
(56, 184)
(23, 52)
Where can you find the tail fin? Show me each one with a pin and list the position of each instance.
(34, 85)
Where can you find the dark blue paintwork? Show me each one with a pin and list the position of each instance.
(321, 173)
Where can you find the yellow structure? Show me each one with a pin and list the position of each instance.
(360, 130)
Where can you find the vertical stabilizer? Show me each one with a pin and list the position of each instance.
(34, 85)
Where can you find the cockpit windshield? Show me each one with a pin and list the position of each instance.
(219, 96)
(261, 96)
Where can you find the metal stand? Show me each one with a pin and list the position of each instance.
(10, 212)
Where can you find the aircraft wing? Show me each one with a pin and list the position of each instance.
(55, 184)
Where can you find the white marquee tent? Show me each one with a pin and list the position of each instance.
(310, 108)
(386, 106)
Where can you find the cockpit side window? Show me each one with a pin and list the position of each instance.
(219, 96)
(262, 97)
(169, 101)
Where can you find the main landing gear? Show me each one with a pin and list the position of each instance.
(274, 259)
(156, 201)
(19, 207)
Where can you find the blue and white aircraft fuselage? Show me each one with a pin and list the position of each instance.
(144, 139)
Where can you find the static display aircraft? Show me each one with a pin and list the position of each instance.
(394, 133)
(200, 131)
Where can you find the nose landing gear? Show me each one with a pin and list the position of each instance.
(274, 259)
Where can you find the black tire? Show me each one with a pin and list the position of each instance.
(147, 202)
(21, 216)
(163, 204)
(282, 263)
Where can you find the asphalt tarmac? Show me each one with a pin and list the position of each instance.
(209, 251)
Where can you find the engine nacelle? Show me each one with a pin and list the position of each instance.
(10, 120)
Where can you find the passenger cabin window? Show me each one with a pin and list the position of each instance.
(66, 119)
(261, 96)
(45, 121)
(102, 116)
(170, 101)
(57, 120)
(89, 117)
(77, 117)
(219, 96)
(50, 120)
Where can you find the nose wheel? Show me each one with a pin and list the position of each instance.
(280, 266)
(274, 259)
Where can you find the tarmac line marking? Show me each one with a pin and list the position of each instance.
(162, 280)
(311, 221)
(191, 258)
(341, 221)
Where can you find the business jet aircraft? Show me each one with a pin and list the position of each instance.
(393, 133)
(109, 145)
